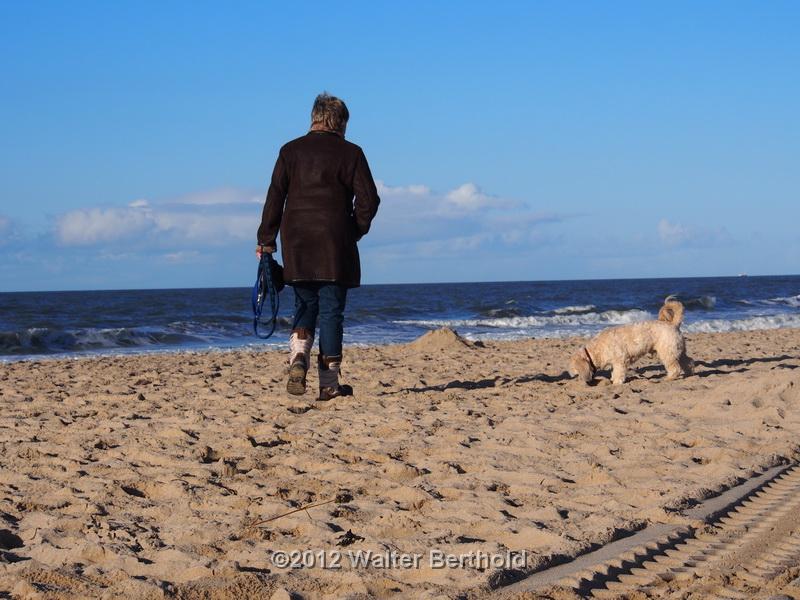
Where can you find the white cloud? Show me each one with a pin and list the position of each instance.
(8, 232)
(455, 224)
(466, 198)
(116, 256)
(212, 228)
(513, 236)
(454, 246)
(402, 190)
(672, 234)
(182, 256)
(687, 236)
(416, 219)
(413, 220)
(214, 218)
(96, 225)
(224, 195)
(223, 215)
(469, 197)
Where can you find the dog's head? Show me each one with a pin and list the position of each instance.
(580, 366)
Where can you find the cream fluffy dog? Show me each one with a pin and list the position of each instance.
(620, 347)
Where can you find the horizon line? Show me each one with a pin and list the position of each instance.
(228, 287)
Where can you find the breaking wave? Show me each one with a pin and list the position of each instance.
(746, 324)
(501, 313)
(45, 340)
(575, 310)
(67, 323)
(779, 302)
(575, 319)
(793, 301)
(701, 302)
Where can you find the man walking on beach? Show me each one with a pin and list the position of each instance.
(322, 198)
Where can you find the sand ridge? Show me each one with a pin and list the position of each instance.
(143, 476)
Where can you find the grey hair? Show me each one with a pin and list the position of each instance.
(329, 112)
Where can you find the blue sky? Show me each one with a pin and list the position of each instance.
(513, 141)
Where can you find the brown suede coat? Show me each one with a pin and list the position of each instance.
(322, 198)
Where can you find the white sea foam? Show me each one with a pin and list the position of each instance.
(576, 323)
(793, 301)
(746, 324)
(47, 340)
(606, 318)
(580, 309)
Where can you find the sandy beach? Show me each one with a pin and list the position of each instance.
(161, 475)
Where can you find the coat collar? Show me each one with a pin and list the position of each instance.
(318, 131)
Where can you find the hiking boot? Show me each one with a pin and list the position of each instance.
(296, 384)
(300, 343)
(329, 393)
(329, 387)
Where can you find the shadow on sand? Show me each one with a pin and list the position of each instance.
(458, 384)
(653, 372)
(704, 368)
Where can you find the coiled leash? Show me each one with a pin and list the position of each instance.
(269, 283)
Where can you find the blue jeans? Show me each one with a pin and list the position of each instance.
(326, 301)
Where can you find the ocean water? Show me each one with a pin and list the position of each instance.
(34, 324)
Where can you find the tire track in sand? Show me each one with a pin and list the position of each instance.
(729, 548)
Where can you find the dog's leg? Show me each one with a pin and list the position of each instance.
(619, 373)
(673, 367)
(674, 371)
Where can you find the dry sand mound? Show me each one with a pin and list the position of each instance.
(440, 340)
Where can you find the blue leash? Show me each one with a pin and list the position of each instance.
(266, 287)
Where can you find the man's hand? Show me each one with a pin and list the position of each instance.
(261, 250)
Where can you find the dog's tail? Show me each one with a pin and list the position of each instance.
(671, 312)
